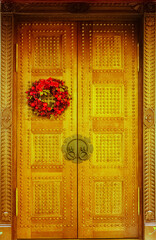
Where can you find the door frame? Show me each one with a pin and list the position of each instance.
(144, 14)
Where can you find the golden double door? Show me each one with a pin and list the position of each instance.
(97, 197)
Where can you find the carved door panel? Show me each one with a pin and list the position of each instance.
(103, 83)
(47, 183)
(108, 115)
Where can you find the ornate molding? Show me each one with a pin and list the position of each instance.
(6, 118)
(149, 118)
(6, 107)
(150, 7)
(149, 107)
(7, 6)
(77, 7)
(72, 7)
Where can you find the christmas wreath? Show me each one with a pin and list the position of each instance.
(59, 98)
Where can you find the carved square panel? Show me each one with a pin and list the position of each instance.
(107, 50)
(107, 100)
(45, 149)
(47, 51)
(108, 149)
(47, 196)
(108, 197)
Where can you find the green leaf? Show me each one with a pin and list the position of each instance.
(51, 116)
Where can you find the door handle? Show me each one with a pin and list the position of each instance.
(83, 153)
(77, 147)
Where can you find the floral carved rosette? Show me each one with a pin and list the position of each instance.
(55, 90)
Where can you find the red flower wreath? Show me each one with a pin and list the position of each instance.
(53, 88)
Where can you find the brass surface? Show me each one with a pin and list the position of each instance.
(112, 11)
(47, 183)
(105, 86)
(77, 148)
(108, 115)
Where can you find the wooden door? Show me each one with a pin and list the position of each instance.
(108, 114)
(46, 182)
(96, 198)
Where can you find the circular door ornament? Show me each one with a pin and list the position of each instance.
(55, 90)
(77, 147)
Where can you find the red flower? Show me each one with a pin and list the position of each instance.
(45, 104)
(62, 100)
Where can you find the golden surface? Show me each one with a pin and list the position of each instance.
(108, 115)
(107, 112)
(47, 183)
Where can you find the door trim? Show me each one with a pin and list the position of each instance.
(11, 12)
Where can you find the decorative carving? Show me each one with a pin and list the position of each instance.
(8, 6)
(149, 117)
(149, 128)
(115, 145)
(73, 7)
(149, 215)
(6, 131)
(150, 21)
(47, 52)
(107, 100)
(46, 197)
(107, 51)
(150, 7)
(43, 174)
(77, 147)
(54, 47)
(138, 7)
(46, 149)
(149, 134)
(77, 7)
(110, 146)
(6, 118)
(113, 44)
(108, 198)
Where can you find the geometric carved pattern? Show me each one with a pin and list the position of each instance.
(149, 134)
(47, 203)
(47, 52)
(108, 198)
(107, 101)
(6, 133)
(107, 148)
(107, 52)
(46, 149)
(109, 115)
(47, 198)
(149, 102)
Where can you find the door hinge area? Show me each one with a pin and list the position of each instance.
(138, 57)
(16, 202)
(138, 201)
(16, 57)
